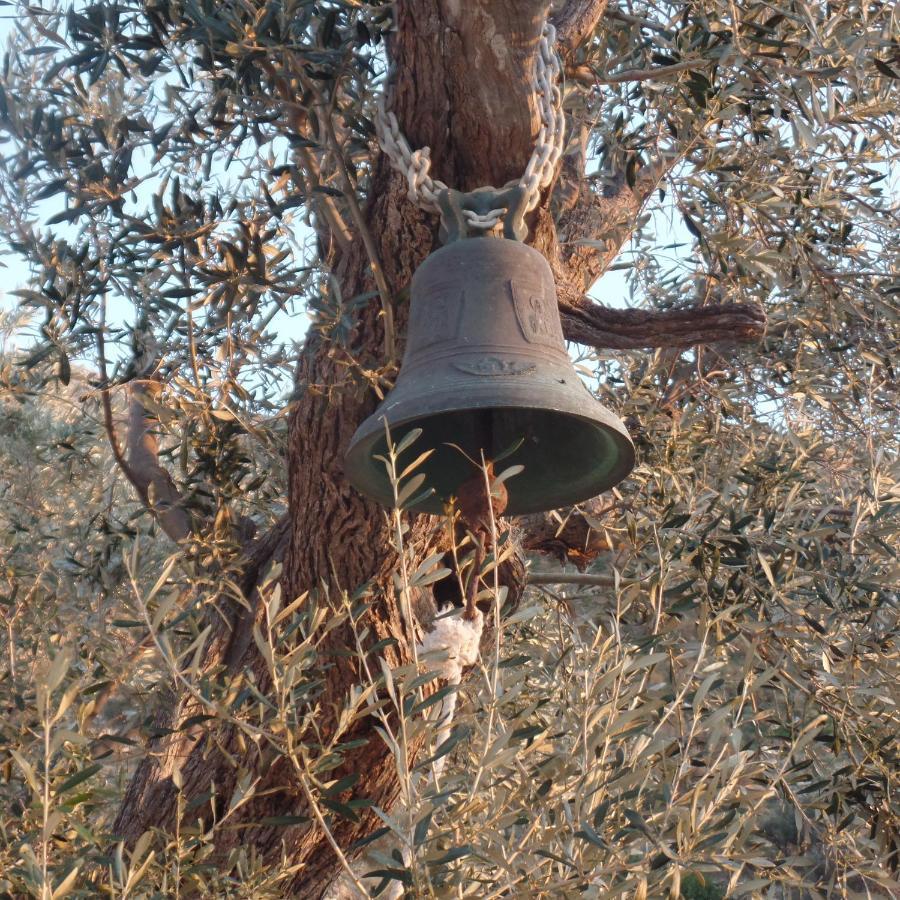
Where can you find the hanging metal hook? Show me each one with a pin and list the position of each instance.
(508, 203)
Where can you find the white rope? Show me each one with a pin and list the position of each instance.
(414, 165)
(454, 643)
(450, 646)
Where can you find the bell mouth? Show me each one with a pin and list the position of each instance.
(567, 457)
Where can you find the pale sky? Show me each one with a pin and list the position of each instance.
(611, 289)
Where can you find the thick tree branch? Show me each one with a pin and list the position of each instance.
(576, 22)
(636, 329)
(590, 233)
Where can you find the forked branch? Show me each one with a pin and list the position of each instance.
(591, 230)
(590, 233)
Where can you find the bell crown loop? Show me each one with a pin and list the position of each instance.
(486, 370)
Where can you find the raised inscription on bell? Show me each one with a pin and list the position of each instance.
(491, 365)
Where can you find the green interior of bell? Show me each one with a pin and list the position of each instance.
(566, 458)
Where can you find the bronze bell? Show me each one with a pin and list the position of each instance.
(486, 369)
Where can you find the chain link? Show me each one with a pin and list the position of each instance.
(414, 165)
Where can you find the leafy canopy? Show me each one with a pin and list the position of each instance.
(726, 714)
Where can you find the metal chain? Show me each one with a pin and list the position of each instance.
(415, 164)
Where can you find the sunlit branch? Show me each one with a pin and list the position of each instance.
(590, 76)
(571, 578)
(636, 329)
(141, 465)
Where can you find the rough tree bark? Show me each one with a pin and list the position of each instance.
(461, 86)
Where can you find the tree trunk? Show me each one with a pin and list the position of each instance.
(468, 98)
(462, 86)
(435, 52)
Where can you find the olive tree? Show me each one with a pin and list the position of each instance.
(185, 178)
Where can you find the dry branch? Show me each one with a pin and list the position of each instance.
(141, 466)
(152, 481)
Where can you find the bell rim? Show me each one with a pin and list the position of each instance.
(358, 458)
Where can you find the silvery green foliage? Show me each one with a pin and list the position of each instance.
(722, 721)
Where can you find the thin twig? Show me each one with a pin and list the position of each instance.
(384, 291)
(587, 74)
(330, 212)
(564, 578)
(636, 20)
(106, 401)
(494, 679)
